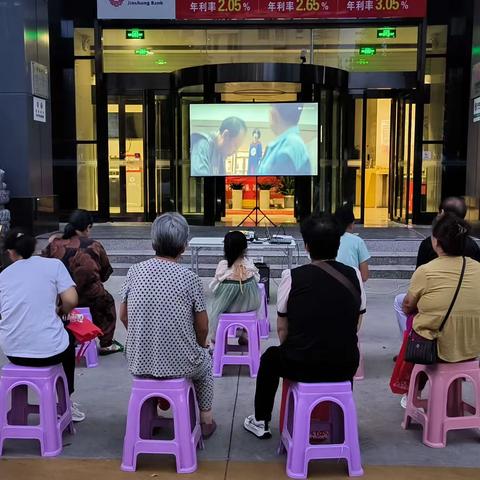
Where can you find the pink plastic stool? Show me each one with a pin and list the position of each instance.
(360, 375)
(222, 353)
(444, 409)
(295, 438)
(55, 418)
(263, 313)
(89, 353)
(179, 393)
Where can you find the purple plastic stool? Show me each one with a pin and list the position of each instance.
(89, 353)
(179, 393)
(262, 316)
(263, 313)
(55, 418)
(222, 353)
(295, 438)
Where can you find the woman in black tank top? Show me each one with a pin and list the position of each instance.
(319, 306)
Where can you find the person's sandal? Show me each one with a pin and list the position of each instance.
(115, 347)
(208, 429)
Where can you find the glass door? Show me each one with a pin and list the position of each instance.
(402, 159)
(126, 156)
(376, 161)
(379, 170)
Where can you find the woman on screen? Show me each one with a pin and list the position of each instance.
(287, 154)
(210, 150)
(255, 153)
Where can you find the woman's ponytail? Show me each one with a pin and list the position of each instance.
(20, 242)
(79, 221)
(69, 231)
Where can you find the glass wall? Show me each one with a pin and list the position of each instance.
(351, 49)
(163, 154)
(434, 115)
(86, 130)
(359, 49)
(192, 187)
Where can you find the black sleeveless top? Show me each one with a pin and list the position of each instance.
(322, 318)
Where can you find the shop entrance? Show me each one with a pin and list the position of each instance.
(381, 160)
(365, 145)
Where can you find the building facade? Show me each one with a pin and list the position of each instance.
(391, 80)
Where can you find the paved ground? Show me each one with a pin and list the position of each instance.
(104, 391)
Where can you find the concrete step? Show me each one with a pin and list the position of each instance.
(392, 272)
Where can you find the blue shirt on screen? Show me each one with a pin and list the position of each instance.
(205, 158)
(286, 155)
(352, 251)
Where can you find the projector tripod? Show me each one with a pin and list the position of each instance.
(256, 210)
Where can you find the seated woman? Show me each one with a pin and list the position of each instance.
(319, 305)
(163, 308)
(31, 331)
(432, 289)
(234, 287)
(353, 251)
(88, 263)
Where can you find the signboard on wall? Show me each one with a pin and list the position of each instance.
(476, 110)
(136, 9)
(39, 110)
(267, 9)
(39, 79)
(290, 9)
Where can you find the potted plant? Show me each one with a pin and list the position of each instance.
(287, 189)
(237, 195)
(265, 184)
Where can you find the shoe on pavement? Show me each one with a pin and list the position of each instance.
(258, 428)
(403, 401)
(77, 415)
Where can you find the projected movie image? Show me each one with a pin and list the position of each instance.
(254, 139)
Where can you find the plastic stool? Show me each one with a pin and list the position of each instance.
(264, 322)
(295, 438)
(55, 418)
(179, 393)
(444, 409)
(222, 353)
(89, 353)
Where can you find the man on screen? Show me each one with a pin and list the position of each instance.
(210, 150)
(287, 154)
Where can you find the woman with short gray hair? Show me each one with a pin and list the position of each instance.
(164, 311)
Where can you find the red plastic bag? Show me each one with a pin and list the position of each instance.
(400, 379)
(81, 325)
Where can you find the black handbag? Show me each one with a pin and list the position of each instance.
(422, 350)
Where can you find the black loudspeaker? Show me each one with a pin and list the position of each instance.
(264, 271)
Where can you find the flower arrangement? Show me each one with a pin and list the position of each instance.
(287, 186)
(267, 183)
